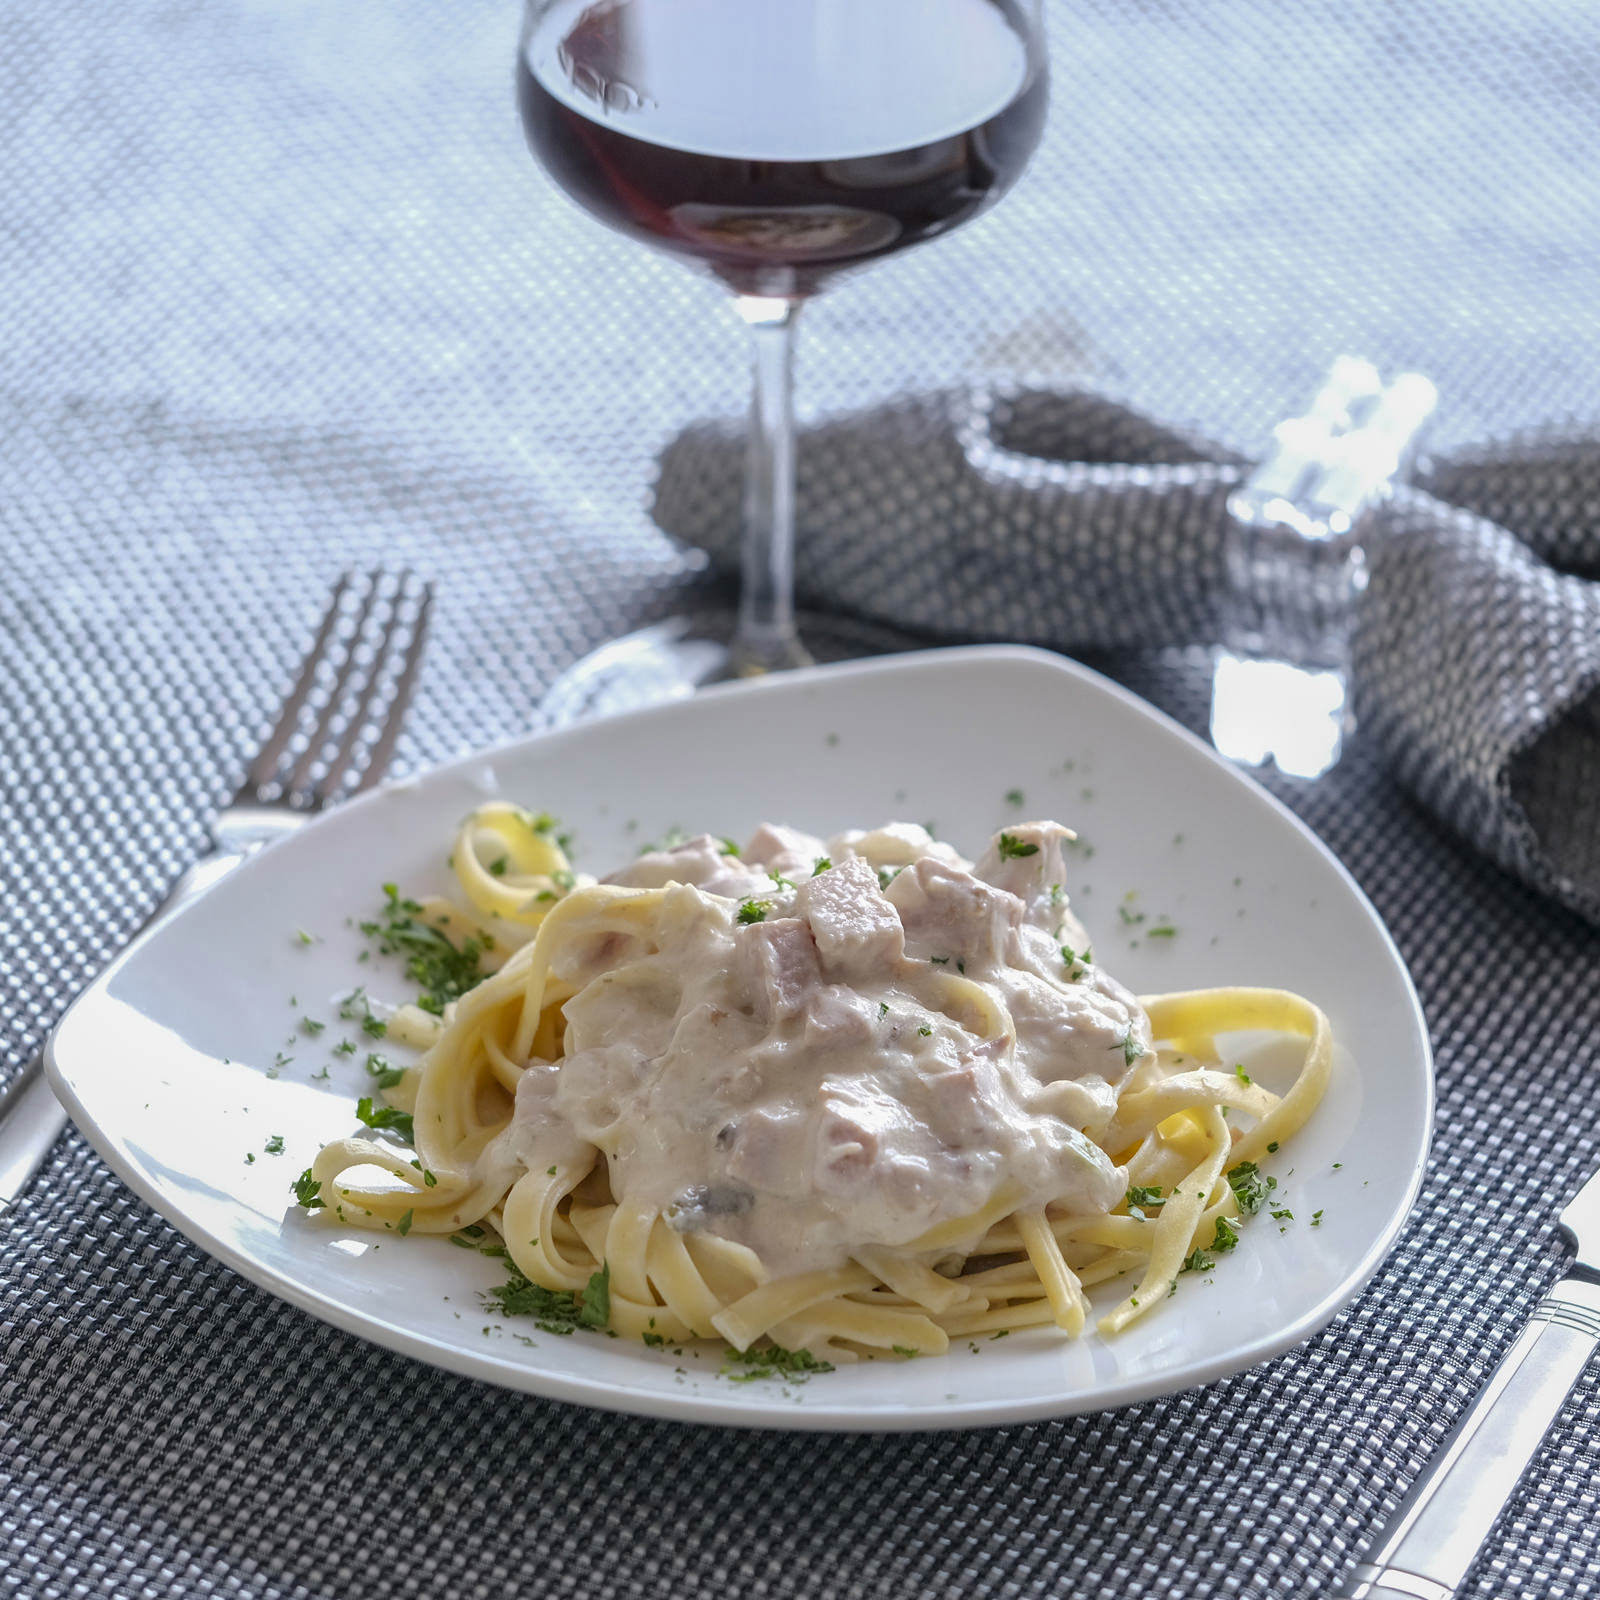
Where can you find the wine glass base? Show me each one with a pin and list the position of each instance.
(670, 660)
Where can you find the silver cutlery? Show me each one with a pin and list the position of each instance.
(334, 737)
(1434, 1535)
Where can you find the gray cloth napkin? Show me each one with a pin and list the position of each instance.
(1068, 519)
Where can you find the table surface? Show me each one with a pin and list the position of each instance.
(284, 294)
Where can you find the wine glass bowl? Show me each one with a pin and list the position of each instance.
(778, 144)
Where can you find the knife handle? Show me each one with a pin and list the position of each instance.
(1436, 1531)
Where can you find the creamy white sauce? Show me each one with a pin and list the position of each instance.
(815, 1082)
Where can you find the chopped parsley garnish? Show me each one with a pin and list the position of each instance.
(1130, 917)
(311, 1026)
(1272, 1149)
(1130, 1047)
(905, 1352)
(781, 881)
(497, 867)
(820, 865)
(753, 911)
(940, 961)
(1316, 1219)
(1250, 1189)
(443, 970)
(308, 1192)
(552, 1310)
(883, 1009)
(594, 1309)
(653, 1340)
(1243, 1076)
(346, 1047)
(1281, 1215)
(274, 1145)
(562, 879)
(386, 1117)
(1141, 1195)
(925, 1030)
(1012, 848)
(1162, 930)
(1197, 1261)
(1226, 1236)
(729, 848)
(403, 1226)
(304, 937)
(887, 875)
(1077, 965)
(772, 1361)
(386, 1076)
(1014, 797)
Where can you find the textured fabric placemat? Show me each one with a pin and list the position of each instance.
(282, 293)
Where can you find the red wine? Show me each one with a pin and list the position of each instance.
(780, 141)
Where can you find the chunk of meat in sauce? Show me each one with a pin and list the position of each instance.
(857, 931)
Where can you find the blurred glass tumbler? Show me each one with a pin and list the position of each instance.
(1296, 568)
(775, 144)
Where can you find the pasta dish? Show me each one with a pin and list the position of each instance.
(851, 1096)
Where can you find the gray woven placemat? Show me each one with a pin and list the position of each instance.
(283, 293)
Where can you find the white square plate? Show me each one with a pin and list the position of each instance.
(167, 1062)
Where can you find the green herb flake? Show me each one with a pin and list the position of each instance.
(753, 911)
(1130, 1047)
(905, 1352)
(310, 1025)
(428, 1179)
(274, 1145)
(1272, 1149)
(883, 1009)
(729, 848)
(303, 937)
(443, 970)
(1316, 1219)
(1243, 1076)
(1144, 1195)
(1250, 1189)
(772, 1361)
(1162, 930)
(594, 1310)
(381, 1117)
(308, 1192)
(403, 1226)
(1015, 797)
(1012, 848)
(820, 865)
(384, 1076)
(1226, 1236)
(497, 867)
(1281, 1215)
(1197, 1261)
(925, 1030)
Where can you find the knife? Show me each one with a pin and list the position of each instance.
(1437, 1530)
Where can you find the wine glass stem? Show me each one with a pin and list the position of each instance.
(766, 639)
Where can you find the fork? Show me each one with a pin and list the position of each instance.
(334, 737)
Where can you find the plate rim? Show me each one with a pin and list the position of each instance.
(746, 1411)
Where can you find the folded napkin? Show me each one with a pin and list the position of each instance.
(1070, 520)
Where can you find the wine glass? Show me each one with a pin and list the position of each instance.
(776, 144)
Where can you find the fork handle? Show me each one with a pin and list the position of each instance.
(31, 1118)
(1436, 1531)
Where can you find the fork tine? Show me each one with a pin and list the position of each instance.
(369, 697)
(382, 751)
(295, 783)
(267, 759)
